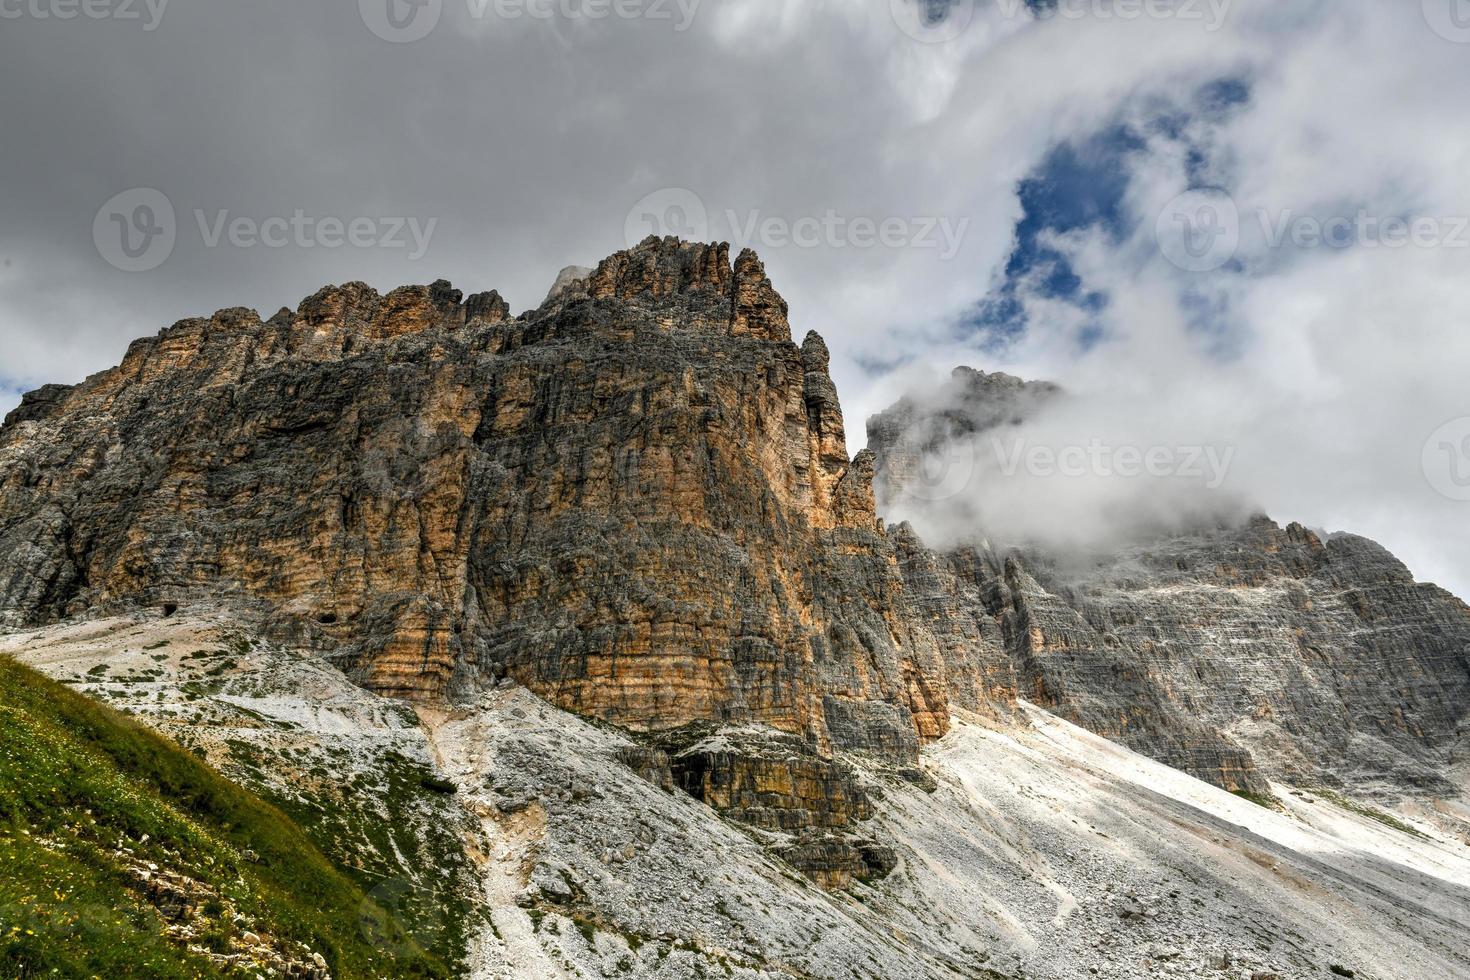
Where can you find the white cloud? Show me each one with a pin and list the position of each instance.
(1342, 361)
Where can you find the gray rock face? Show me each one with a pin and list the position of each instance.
(567, 280)
(1324, 660)
(1233, 653)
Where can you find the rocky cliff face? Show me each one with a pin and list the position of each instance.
(637, 499)
(1235, 653)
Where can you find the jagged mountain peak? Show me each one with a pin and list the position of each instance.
(636, 499)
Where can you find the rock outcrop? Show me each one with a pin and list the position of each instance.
(636, 499)
(807, 810)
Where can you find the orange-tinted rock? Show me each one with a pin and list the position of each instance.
(636, 499)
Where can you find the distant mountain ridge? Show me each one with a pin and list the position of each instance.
(1236, 653)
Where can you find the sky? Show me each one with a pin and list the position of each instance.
(1234, 224)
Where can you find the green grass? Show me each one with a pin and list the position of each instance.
(394, 836)
(1372, 813)
(87, 796)
(1259, 799)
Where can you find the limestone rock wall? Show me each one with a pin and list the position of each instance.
(636, 499)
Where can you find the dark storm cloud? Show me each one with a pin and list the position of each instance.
(513, 145)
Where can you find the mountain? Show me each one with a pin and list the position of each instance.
(1238, 653)
(636, 500)
(579, 642)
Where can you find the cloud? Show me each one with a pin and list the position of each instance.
(1324, 368)
(530, 140)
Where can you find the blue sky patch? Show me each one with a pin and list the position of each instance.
(1082, 185)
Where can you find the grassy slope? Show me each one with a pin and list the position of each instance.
(85, 793)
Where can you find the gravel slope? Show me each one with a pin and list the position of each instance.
(1041, 851)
